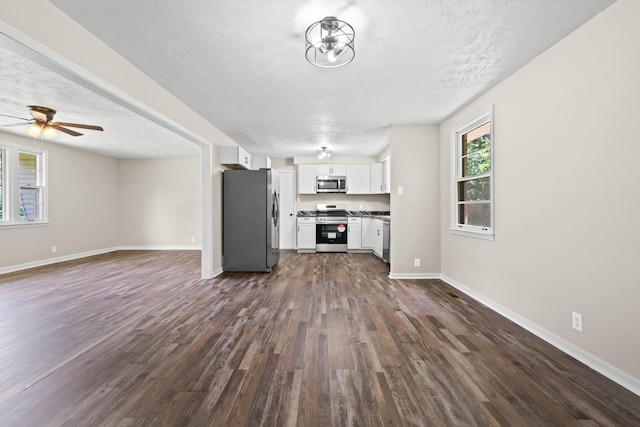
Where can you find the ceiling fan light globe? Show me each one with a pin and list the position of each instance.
(49, 132)
(34, 130)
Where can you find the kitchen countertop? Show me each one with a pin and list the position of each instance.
(386, 215)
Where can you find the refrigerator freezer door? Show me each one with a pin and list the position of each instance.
(274, 217)
(247, 221)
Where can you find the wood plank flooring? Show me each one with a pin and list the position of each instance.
(137, 339)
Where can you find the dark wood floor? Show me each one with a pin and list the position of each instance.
(137, 339)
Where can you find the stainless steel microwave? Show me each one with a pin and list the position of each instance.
(331, 184)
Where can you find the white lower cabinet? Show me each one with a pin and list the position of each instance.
(307, 234)
(373, 235)
(354, 234)
(368, 233)
(378, 244)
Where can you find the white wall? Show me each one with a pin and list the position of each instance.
(160, 203)
(566, 191)
(83, 208)
(415, 215)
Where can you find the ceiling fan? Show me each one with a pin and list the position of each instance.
(42, 121)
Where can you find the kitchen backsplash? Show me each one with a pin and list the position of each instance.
(353, 202)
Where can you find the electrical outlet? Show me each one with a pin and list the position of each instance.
(54, 249)
(193, 239)
(576, 321)
(416, 262)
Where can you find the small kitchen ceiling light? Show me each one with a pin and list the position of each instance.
(329, 43)
(324, 153)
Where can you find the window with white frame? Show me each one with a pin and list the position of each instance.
(23, 191)
(472, 210)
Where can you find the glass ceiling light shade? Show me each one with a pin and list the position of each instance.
(34, 130)
(49, 132)
(329, 43)
(324, 153)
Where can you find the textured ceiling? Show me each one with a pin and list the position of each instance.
(240, 64)
(126, 135)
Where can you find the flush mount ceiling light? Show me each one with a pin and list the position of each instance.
(324, 153)
(329, 43)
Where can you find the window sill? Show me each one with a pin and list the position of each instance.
(477, 235)
(24, 224)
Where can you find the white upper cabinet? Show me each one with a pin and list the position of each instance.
(234, 157)
(358, 181)
(381, 177)
(307, 179)
(331, 170)
(258, 162)
(362, 178)
(387, 176)
(377, 178)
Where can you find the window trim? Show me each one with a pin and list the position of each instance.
(488, 233)
(11, 190)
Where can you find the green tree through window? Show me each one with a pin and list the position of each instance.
(473, 210)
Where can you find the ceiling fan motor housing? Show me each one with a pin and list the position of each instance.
(42, 114)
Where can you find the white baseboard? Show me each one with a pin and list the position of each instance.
(159, 248)
(414, 276)
(48, 261)
(613, 373)
(217, 272)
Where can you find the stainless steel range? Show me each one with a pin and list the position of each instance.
(331, 228)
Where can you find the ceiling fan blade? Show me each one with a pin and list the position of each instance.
(80, 125)
(16, 117)
(57, 126)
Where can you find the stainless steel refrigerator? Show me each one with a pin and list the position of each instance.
(250, 220)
